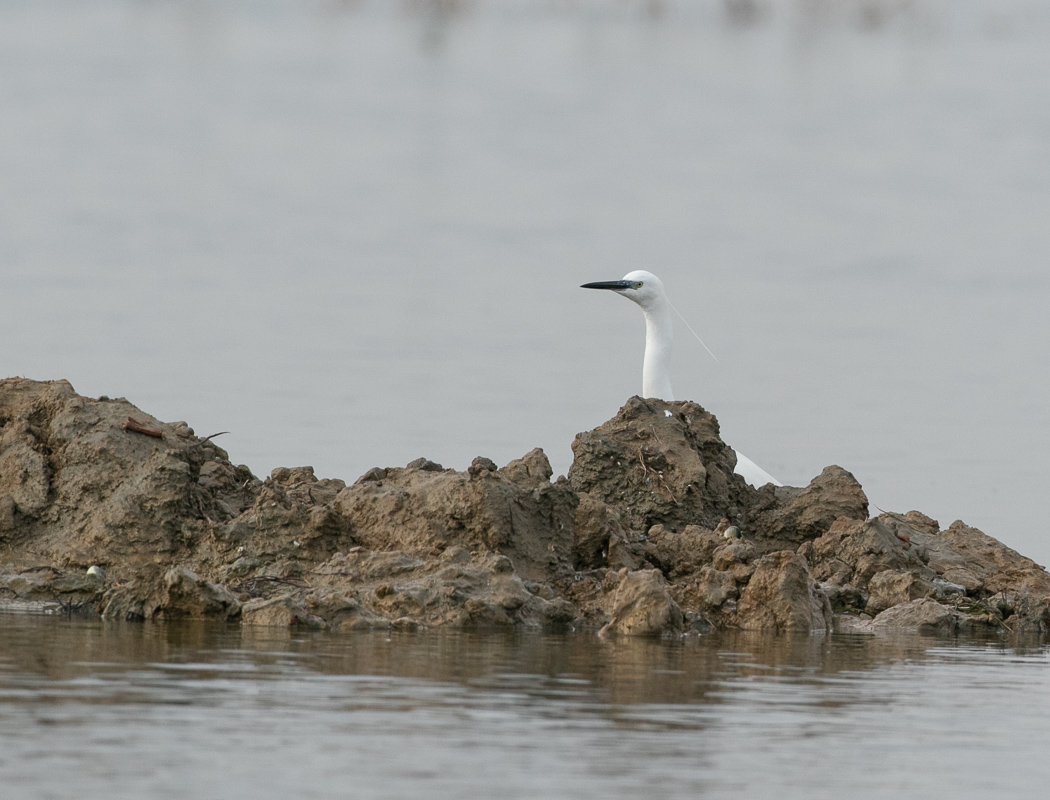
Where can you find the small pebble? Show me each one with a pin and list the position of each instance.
(732, 532)
(96, 571)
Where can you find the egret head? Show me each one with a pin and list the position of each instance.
(642, 287)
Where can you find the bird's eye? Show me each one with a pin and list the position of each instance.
(636, 285)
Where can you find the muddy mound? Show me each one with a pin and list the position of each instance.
(515, 511)
(660, 463)
(86, 481)
(652, 533)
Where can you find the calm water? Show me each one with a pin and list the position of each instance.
(109, 711)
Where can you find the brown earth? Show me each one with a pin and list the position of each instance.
(639, 539)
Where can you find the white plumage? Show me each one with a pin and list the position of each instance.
(648, 292)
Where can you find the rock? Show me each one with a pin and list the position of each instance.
(995, 565)
(965, 560)
(599, 537)
(918, 521)
(655, 468)
(301, 485)
(342, 610)
(781, 596)
(515, 511)
(788, 516)
(373, 475)
(106, 509)
(923, 615)
(1021, 611)
(853, 551)
(292, 516)
(279, 612)
(239, 569)
(932, 548)
(8, 515)
(893, 587)
(187, 595)
(641, 605)
(424, 464)
(480, 465)
(853, 623)
(456, 589)
(845, 597)
(735, 557)
(677, 554)
(25, 474)
(533, 469)
(711, 590)
(17, 583)
(85, 584)
(74, 592)
(86, 489)
(366, 566)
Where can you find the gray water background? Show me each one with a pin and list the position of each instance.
(126, 712)
(351, 233)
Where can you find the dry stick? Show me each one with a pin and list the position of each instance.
(897, 517)
(659, 475)
(138, 427)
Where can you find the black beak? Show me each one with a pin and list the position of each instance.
(616, 286)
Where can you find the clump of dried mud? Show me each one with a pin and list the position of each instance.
(638, 539)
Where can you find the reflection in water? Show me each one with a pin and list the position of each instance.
(171, 710)
(627, 670)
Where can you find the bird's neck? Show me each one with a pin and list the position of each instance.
(656, 369)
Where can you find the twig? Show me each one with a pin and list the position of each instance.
(641, 460)
(659, 475)
(896, 516)
(138, 427)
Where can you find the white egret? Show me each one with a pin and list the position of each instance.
(647, 291)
